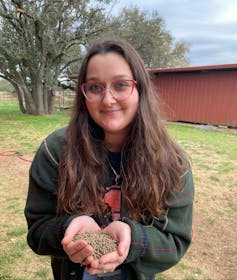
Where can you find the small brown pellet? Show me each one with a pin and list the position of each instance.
(101, 242)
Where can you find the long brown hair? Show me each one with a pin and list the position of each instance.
(152, 163)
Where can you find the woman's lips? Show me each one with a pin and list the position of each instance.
(110, 112)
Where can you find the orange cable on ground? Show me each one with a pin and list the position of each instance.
(14, 153)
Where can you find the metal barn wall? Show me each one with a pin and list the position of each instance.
(208, 97)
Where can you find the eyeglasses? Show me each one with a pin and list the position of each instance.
(120, 90)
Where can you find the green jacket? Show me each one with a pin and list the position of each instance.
(154, 248)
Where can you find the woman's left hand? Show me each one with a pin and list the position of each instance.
(121, 232)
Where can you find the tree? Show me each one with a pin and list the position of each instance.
(40, 39)
(148, 35)
(150, 38)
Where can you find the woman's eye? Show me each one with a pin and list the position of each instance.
(121, 85)
(95, 88)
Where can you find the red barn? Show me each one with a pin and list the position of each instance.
(203, 94)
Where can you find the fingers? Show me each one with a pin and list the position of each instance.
(87, 261)
(73, 247)
(84, 256)
(122, 233)
(79, 224)
(69, 235)
(108, 263)
(72, 230)
(79, 252)
(109, 267)
(109, 258)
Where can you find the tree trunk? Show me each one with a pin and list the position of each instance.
(45, 99)
(50, 101)
(39, 102)
(38, 96)
(20, 97)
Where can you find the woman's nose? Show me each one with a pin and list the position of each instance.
(108, 96)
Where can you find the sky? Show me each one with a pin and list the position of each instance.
(209, 26)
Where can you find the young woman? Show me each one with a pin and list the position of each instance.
(113, 169)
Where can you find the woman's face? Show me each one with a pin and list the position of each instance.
(113, 115)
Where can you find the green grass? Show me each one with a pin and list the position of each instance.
(17, 232)
(220, 142)
(16, 126)
(226, 167)
(214, 178)
(233, 207)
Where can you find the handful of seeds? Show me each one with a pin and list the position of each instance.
(101, 242)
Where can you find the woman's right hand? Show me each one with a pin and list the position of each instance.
(79, 251)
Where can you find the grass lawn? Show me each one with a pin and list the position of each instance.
(214, 157)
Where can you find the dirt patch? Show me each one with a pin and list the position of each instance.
(213, 253)
(214, 248)
(18, 259)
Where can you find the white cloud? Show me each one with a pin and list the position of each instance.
(228, 12)
(209, 26)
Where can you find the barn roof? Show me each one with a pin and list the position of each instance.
(218, 67)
